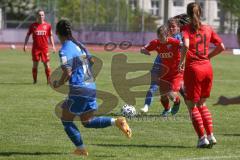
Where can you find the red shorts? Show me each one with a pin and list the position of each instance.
(198, 81)
(169, 84)
(40, 54)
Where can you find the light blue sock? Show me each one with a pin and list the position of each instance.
(99, 122)
(73, 133)
(149, 97)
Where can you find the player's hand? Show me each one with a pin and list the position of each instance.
(181, 67)
(54, 49)
(144, 51)
(24, 48)
(56, 84)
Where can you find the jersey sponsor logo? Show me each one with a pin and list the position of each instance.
(166, 55)
(40, 33)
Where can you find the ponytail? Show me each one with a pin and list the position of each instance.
(63, 28)
(194, 12)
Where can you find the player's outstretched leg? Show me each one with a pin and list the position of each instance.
(103, 122)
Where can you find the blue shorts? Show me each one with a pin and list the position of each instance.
(79, 105)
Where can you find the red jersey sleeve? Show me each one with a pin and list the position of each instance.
(173, 41)
(151, 45)
(215, 39)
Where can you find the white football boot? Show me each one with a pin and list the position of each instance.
(203, 143)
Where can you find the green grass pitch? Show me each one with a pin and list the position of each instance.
(29, 128)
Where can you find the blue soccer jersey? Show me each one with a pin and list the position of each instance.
(77, 59)
(178, 36)
(82, 88)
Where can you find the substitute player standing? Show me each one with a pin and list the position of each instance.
(198, 74)
(41, 31)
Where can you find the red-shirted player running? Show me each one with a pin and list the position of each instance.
(41, 31)
(198, 72)
(169, 78)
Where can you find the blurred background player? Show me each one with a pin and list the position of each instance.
(168, 49)
(174, 31)
(81, 102)
(198, 74)
(41, 31)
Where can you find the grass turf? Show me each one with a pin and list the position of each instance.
(29, 128)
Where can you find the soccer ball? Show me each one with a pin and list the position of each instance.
(12, 46)
(128, 111)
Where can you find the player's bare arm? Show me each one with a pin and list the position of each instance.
(64, 78)
(52, 42)
(216, 51)
(25, 42)
(184, 50)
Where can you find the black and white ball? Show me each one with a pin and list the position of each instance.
(128, 111)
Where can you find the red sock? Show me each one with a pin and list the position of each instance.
(165, 103)
(34, 74)
(207, 119)
(197, 121)
(48, 72)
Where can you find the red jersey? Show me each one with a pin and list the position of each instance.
(199, 43)
(169, 53)
(41, 33)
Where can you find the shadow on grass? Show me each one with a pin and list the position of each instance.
(140, 146)
(16, 83)
(231, 135)
(105, 156)
(7, 154)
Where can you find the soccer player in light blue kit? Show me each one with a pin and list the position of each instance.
(174, 31)
(76, 69)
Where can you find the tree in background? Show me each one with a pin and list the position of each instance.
(99, 15)
(16, 10)
(114, 15)
(233, 8)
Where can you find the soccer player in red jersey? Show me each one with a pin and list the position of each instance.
(41, 31)
(198, 74)
(169, 79)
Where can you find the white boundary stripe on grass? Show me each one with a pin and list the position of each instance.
(210, 158)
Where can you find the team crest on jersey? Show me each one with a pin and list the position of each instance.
(169, 46)
(44, 27)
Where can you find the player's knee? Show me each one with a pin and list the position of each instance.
(86, 123)
(164, 98)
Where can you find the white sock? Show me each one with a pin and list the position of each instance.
(113, 121)
(146, 106)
